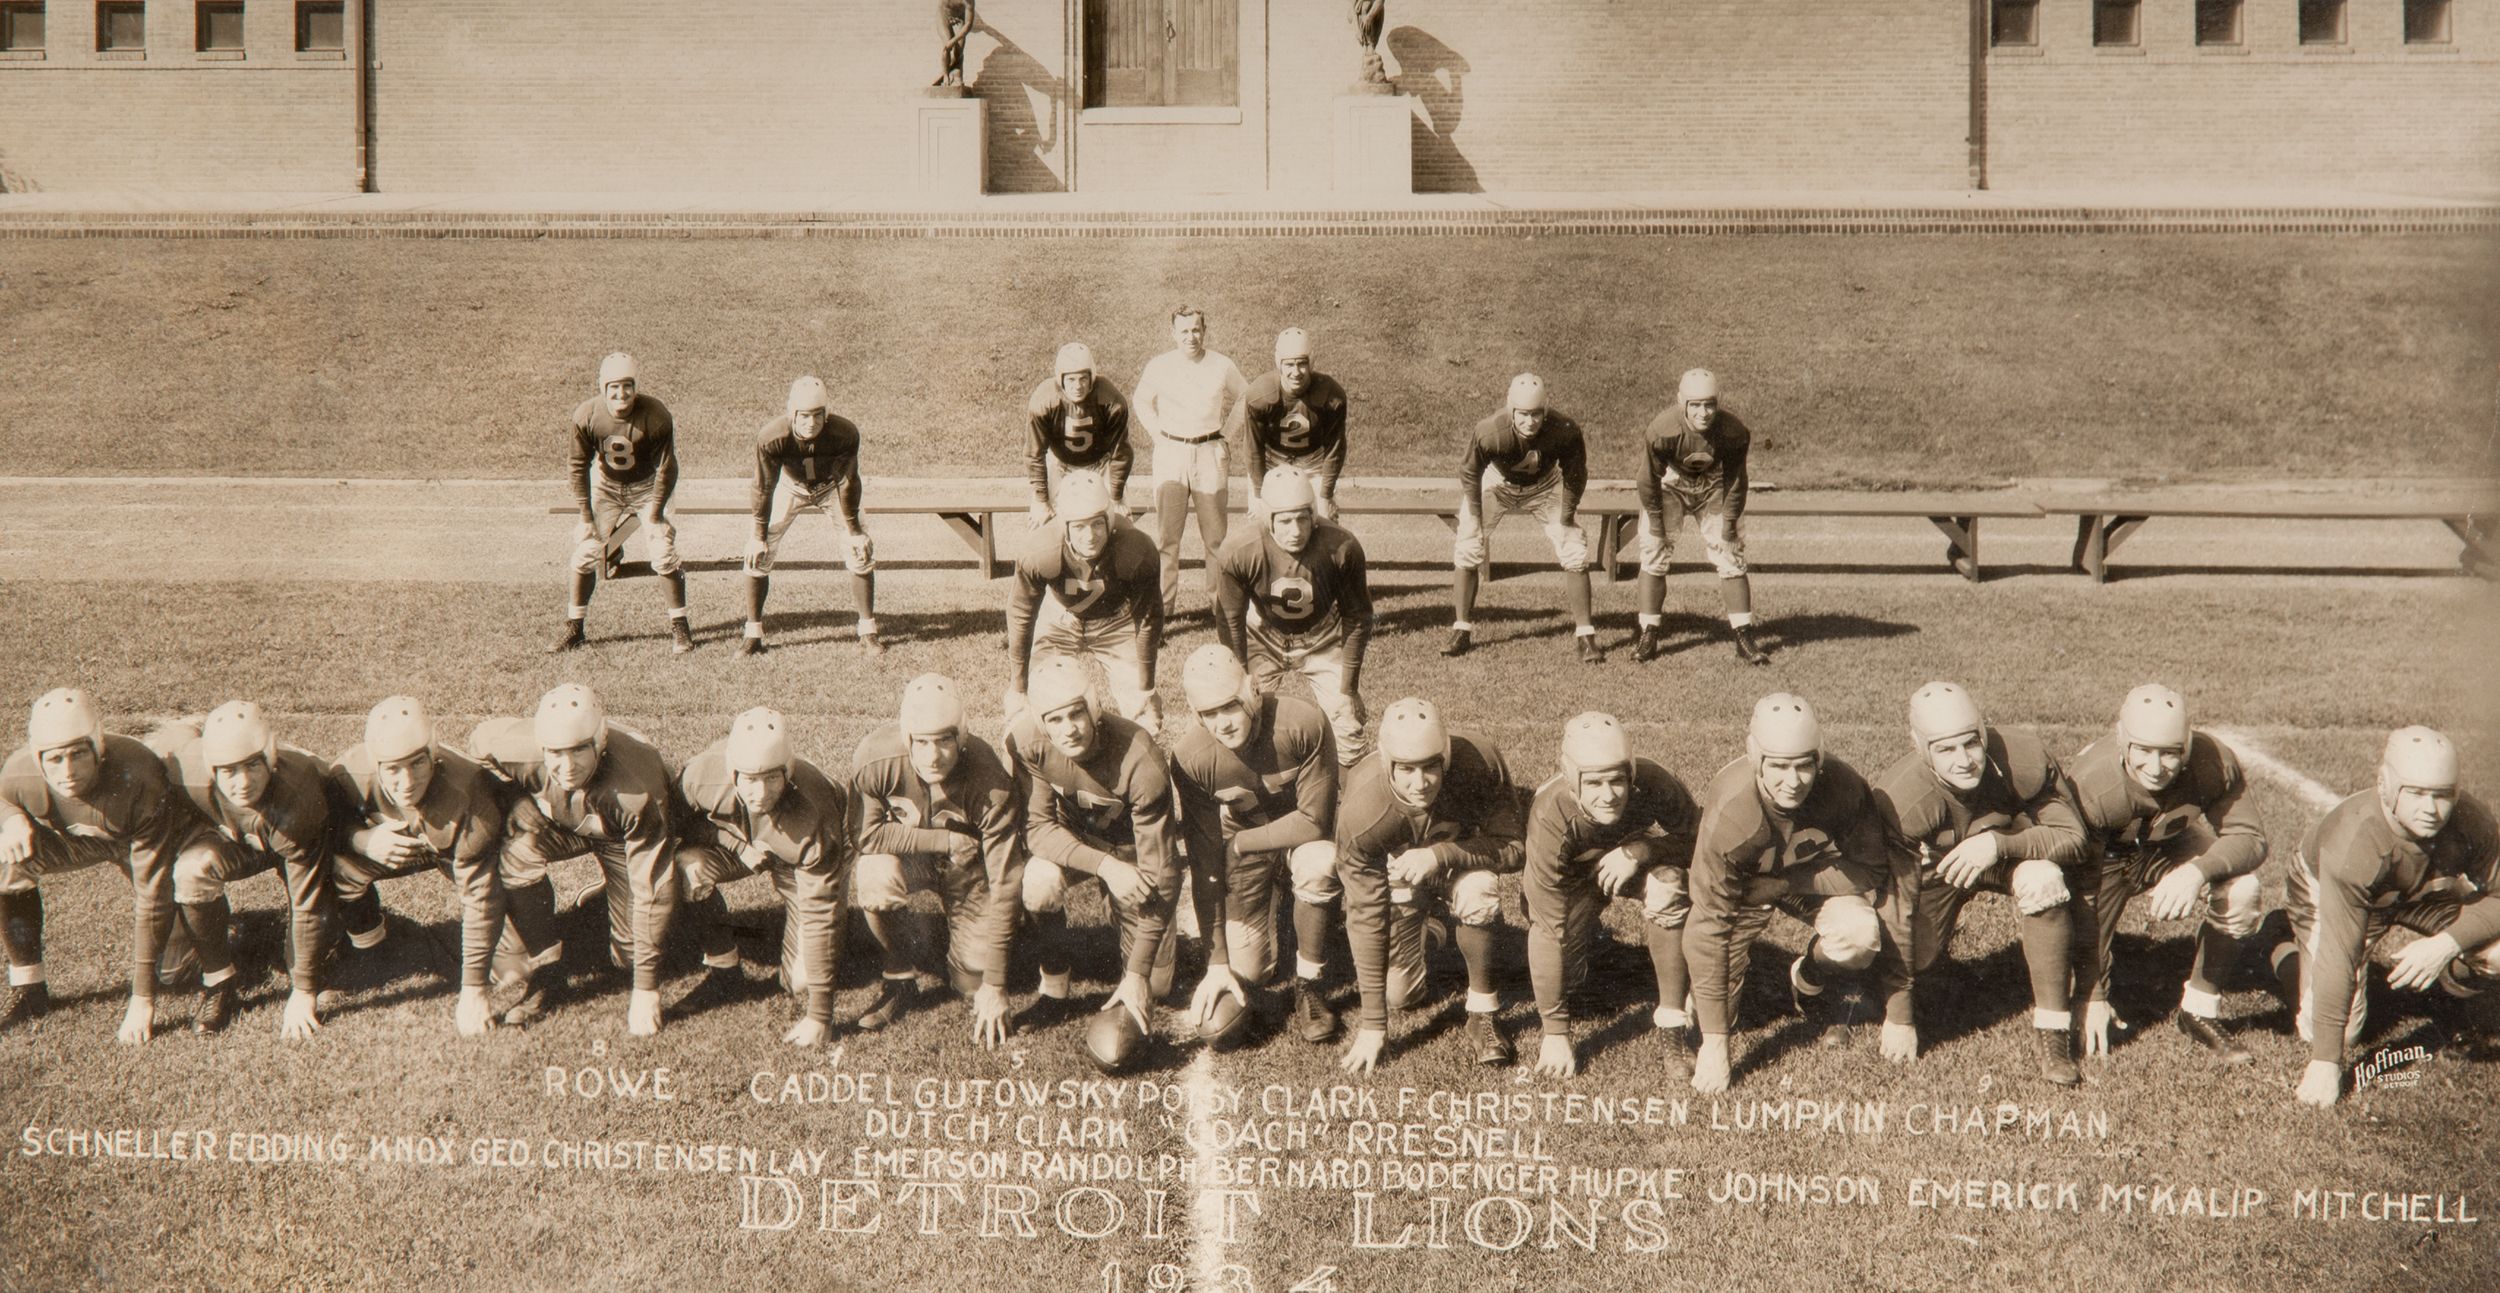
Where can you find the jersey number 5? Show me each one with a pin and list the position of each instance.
(1078, 432)
(618, 453)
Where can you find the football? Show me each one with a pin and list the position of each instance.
(1112, 1039)
(1226, 1024)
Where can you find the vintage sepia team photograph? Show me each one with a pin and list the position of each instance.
(1250, 646)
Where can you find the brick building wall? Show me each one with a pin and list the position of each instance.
(2270, 113)
(171, 117)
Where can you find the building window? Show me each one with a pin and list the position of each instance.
(2114, 22)
(121, 26)
(221, 26)
(2426, 22)
(1162, 53)
(21, 28)
(2321, 22)
(2014, 22)
(320, 26)
(2217, 22)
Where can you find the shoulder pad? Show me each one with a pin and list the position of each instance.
(2028, 766)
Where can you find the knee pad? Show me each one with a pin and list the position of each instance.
(196, 877)
(2483, 961)
(1251, 949)
(2233, 908)
(1476, 898)
(2039, 885)
(1045, 885)
(587, 556)
(1571, 548)
(759, 565)
(1664, 901)
(1728, 559)
(1468, 554)
(522, 863)
(1314, 867)
(863, 561)
(877, 883)
(1847, 934)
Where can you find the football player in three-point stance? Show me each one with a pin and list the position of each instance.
(1258, 791)
(1429, 823)
(1981, 808)
(1076, 422)
(1789, 828)
(938, 810)
(268, 808)
(73, 797)
(1696, 468)
(1189, 398)
(2413, 851)
(406, 806)
(1608, 825)
(1098, 802)
(1294, 596)
(622, 467)
(584, 786)
(1089, 590)
(752, 808)
(2166, 813)
(1296, 418)
(818, 453)
(1525, 458)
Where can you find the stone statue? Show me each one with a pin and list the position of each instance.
(1368, 17)
(955, 23)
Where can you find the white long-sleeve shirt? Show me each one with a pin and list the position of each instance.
(1190, 400)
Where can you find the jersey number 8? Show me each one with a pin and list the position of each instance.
(618, 453)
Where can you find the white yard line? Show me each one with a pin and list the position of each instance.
(1206, 1206)
(2312, 792)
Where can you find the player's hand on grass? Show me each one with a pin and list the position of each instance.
(989, 1016)
(17, 839)
(1414, 867)
(1615, 870)
(642, 1013)
(2419, 966)
(808, 1033)
(471, 1016)
(1970, 860)
(1555, 1056)
(299, 1022)
(137, 1022)
(1133, 996)
(1125, 883)
(1710, 1064)
(2321, 1084)
(1219, 983)
(1364, 1055)
(2097, 1018)
(1900, 1043)
(2179, 894)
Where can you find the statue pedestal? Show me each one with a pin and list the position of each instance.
(950, 150)
(1376, 144)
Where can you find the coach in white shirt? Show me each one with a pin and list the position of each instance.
(1190, 398)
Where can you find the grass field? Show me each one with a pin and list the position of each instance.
(1858, 360)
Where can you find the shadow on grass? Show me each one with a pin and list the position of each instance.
(1798, 630)
(2131, 574)
(1963, 998)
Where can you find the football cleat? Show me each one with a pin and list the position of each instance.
(680, 638)
(571, 637)
(27, 1003)
(1649, 645)
(1590, 652)
(1492, 1047)
(1851, 1011)
(1675, 1046)
(2057, 1056)
(871, 643)
(750, 646)
(1312, 1017)
(2206, 1033)
(530, 1006)
(1461, 642)
(894, 999)
(1747, 649)
(216, 1009)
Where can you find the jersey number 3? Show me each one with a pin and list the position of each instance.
(618, 453)
(1293, 598)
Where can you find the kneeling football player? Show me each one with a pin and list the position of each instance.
(1258, 785)
(755, 807)
(1097, 803)
(1983, 809)
(2166, 813)
(2414, 851)
(267, 808)
(1786, 827)
(583, 785)
(72, 797)
(938, 811)
(407, 806)
(1429, 824)
(1608, 825)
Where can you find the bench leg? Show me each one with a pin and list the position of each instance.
(979, 532)
(2113, 532)
(1614, 529)
(2086, 528)
(616, 543)
(1961, 548)
(2481, 555)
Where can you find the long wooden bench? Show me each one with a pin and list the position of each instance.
(989, 515)
(2105, 520)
